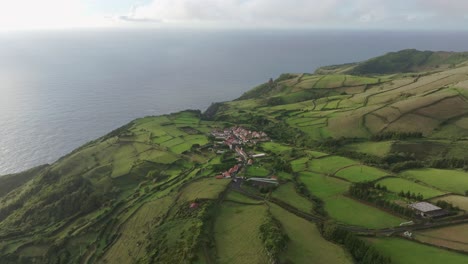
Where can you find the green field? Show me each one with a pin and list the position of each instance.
(404, 252)
(208, 188)
(275, 147)
(330, 164)
(287, 193)
(306, 242)
(379, 149)
(448, 180)
(397, 184)
(236, 224)
(257, 171)
(238, 197)
(361, 173)
(351, 212)
(323, 186)
(455, 237)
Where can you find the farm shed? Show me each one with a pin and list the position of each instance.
(428, 210)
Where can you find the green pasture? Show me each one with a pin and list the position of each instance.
(305, 241)
(361, 173)
(404, 251)
(448, 180)
(330, 164)
(235, 224)
(323, 186)
(379, 149)
(352, 212)
(287, 193)
(397, 185)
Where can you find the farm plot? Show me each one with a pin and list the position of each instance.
(455, 237)
(404, 251)
(414, 123)
(457, 200)
(323, 186)
(397, 185)
(361, 173)
(208, 188)
(306, 242)
(330, 81)
(380, 149)
(352, 212)
(129, 246)
(449, 180)
(330, 164)
(445, 109)
(275, 147)
(234, 225)
(287, 193)
(300, 164)
(257, 171)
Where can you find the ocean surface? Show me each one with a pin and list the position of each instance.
(59, 90)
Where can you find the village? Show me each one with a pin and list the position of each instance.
(235, 138)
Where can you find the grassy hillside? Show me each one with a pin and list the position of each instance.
(349, 152)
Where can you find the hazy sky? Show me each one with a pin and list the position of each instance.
(341, 14)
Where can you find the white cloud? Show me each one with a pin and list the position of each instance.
(308, 13)
(36, 14)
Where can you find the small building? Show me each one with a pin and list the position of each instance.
(259, 155)
(194, 205)
(428, 210)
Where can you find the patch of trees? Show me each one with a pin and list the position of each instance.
(366, 191)
(410, 195)
(395, 135)
(362, 252)
(393, 62)
(273, 237)
(446, 205)
(211, 111)
(449, 163)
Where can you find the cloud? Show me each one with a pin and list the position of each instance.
(308, 13)
(32, 14)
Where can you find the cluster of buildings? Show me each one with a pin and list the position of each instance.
(229, 173)
(235, 136)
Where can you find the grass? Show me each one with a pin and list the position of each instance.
(306, 242)
(323, 186)
(287, 193)
(207, 188)
(238, 197)
(351, 212)
(449, 180)
(257, 171)
(361, 173)
(234, 225)
(397, 184)
(275, 147)
(456, 200)
(403, 251)
(330, 164)
(129, 245)
(379, 149)
(299, 164)
(455, 237)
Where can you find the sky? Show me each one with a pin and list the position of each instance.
(249, 14)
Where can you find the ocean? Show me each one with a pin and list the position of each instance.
(61, 89)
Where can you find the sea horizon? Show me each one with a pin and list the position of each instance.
(62, 89)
